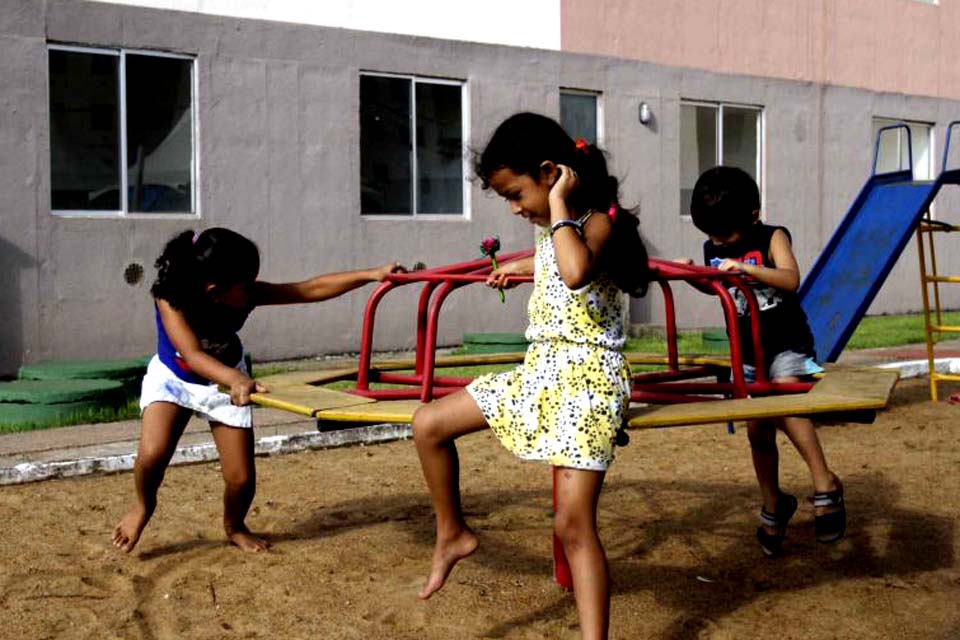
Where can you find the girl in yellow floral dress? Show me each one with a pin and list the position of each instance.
(566, 403)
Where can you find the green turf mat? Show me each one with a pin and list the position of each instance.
(13, 414)
(494, 342)
(59, 391)
(86, 369)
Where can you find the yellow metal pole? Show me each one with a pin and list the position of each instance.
(928, 331)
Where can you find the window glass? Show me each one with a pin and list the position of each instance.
(893, 151)
(385, 145)
(404, 170)
(740, 127)
(439, 148)
(698, 147)
(578, 115)
(84, 131)
(159, 134)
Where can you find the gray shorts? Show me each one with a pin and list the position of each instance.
(786, 364)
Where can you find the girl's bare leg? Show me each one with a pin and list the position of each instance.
(575, 524)
(162, 425)
(435, 427)
(235, 445)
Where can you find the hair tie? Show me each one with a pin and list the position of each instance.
(196, 236)
(612, 211)
(582, 145)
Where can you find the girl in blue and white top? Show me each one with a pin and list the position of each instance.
(206, 287)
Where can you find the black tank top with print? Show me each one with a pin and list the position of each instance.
(783, 324)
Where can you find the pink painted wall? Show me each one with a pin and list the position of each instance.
(904, 46)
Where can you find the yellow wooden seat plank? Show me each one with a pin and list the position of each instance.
(307, 400)
(847, 390)
(382, 411)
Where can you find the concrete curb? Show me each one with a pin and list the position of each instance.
(207, 452)
(920, 368)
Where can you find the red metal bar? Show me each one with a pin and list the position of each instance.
(673, 354)
(422, 306)
(366, 334)
(430, 351)
(561, 567)
(695, 371)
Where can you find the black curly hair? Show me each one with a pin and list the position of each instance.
(524, 141)
(190, 261)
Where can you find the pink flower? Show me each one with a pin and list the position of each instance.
(490, 246)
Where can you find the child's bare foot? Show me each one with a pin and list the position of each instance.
(446, 554)
(128, 530)
(243, 538)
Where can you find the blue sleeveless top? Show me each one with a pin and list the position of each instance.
(216, 327)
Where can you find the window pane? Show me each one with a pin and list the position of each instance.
(740, 139)
(892, 155)
(385, 145)
(439, 149)
(578, 115)
(698, 147)
(84, 131)
(159, 134)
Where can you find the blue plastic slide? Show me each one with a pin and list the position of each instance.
(867, 243)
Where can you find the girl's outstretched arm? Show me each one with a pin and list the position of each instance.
(187, 344)
(322, 287)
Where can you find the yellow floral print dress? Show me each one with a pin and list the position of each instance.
(565, 403)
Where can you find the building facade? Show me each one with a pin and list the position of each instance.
(338, 135)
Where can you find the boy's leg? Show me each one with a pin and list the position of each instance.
(575, 524)
(803, 435)
(162, 425)
(435, 427)
(762, 435)
(235, 445)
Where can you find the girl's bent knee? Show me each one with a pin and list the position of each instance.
(574, 532)
(240, 481)
(425, 427)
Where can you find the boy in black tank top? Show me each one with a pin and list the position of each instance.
(726, 207)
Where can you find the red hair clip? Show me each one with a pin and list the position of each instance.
(612, 211)
(582, 145)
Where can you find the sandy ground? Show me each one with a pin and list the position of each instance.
(352, 532)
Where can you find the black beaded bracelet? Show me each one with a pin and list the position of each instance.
(560, 224)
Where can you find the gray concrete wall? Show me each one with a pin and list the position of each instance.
(279, 162)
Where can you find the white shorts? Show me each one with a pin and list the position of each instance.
(160, 384)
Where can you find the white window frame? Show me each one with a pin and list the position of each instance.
(465, 214)
(121, 53)
(761, 138)
(885, 121)
(600, 108)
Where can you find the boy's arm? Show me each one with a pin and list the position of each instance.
(322, 287)
(185, 341)
(785, 276)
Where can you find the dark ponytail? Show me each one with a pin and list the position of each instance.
(524, 141)
(190, 261)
